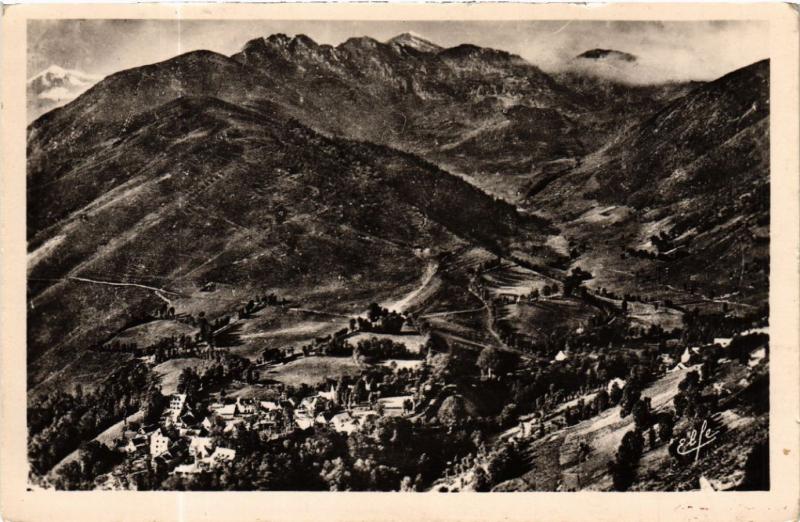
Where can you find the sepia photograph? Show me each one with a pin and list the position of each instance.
(399, 255)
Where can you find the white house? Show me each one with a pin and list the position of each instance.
(200, 447)
(176, 404)
(228, 412)
(616, 380)
(303, 420)
(221, 455)
(722, 341)
(562, 356)
(186, 469)
(159, 444)
(269, 405)
(344, 422)
(245, 406)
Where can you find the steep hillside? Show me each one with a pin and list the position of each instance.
(198, 190)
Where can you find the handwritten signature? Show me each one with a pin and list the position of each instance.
(696, 440)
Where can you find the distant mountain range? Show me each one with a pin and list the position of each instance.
(324, 171)
(55, 86)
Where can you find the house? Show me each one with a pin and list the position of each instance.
(619, 382)
(686, 356)
(303, 420)
(136, 445)
(562, 356)
(200, 447)
(187, 424)
(313, 404)
(185, 470)
(228, 412)
(245, 406)
(147, 429)
(269, 405)
(667, 359)
(678, 367)
(208, 423)
(329, 395)
(177, 402)
(722, 341)
(221, 456)
(231, 424)
(159, 443)
(344, 423)
(757, 356)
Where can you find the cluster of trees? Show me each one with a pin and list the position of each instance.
(380, 349)
(93, 460)
(650, 430)
(388, 454)
(704, 327)
(379, 320)
(59, 422)
(491, 468)
(585, 410)
(691, 401)
(574, 281)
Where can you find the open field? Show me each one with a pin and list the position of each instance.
(151, 332)
(170, 370)
(528, 318)
(312, 370)
(514, 280)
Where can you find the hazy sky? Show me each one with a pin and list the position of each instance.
(666, 50)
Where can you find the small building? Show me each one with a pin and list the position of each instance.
(269, 405)
(562, 356)
(245, 406)
(678, 367)
(185, 470)
(344, 422)
(159, 443)
(208, 423)
(200, 447)
(136, 445)
(303, 420)
(221, 456)
(616, 380)
(228, 412)
(723, 341)
(177, 403)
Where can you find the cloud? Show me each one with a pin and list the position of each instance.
(666, 50)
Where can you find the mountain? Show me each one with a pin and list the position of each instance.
(326, 171)
(616, 66)
(53, 87)
(607, 55)
(164, 190)
(686, 190)
(416, 42)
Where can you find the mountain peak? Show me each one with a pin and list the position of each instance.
(607, 54)
(415, 41)
(58, 73)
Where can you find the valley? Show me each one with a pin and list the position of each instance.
(397, 266)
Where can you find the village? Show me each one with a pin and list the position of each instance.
(193, 435)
